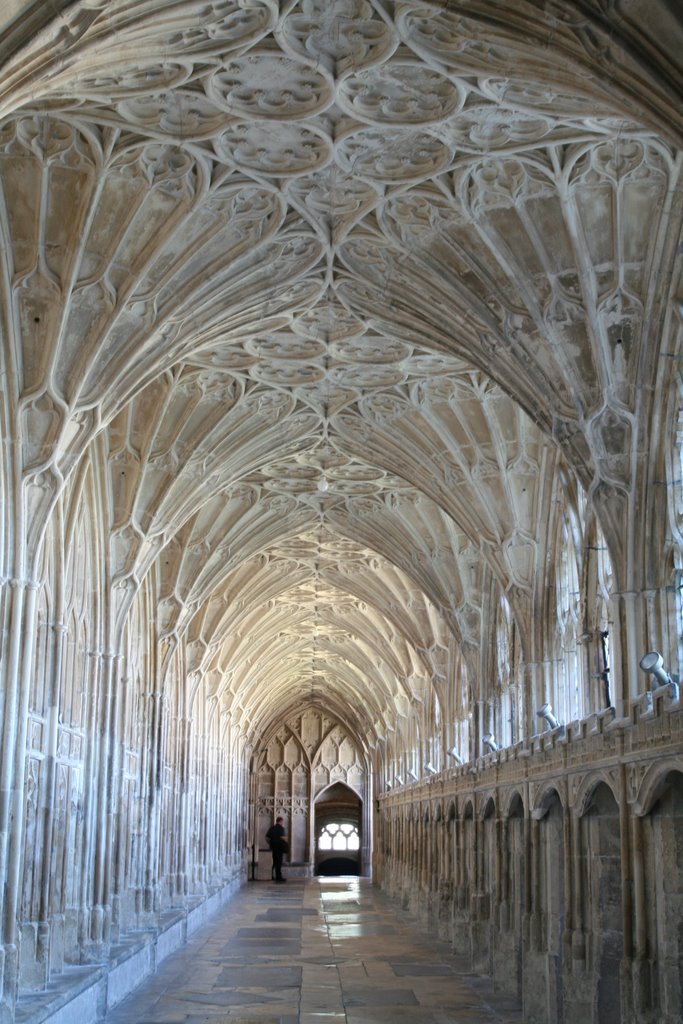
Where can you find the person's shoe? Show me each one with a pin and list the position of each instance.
(280, 879)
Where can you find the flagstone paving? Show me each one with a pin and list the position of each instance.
(321, 951)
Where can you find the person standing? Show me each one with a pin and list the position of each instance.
(277, 840)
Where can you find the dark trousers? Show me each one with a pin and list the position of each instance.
(277, 862)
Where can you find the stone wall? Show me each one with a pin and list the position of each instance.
(124, 760)
(556, 866)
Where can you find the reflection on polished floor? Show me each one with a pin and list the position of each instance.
(324, 951)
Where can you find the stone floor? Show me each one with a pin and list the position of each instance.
(324, 951)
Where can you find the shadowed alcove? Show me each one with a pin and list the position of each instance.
(338, 830)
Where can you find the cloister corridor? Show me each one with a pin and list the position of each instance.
(341, 482)
(334, 951)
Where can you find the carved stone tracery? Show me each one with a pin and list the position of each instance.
(337, 342)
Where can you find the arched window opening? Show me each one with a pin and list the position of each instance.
(598, 585)
(503, 643)
(435, 740)
(339, 836)
(602, 618)
(506, 707)
(568, 702)
(412, 752)
(462, 702)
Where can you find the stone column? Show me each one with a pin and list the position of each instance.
(415, 861)
(119, 880)
(201, 805)
(626, 893)
(103, 809)
(535, 937)
(207, 789)
(174, 753)
(369, 818)
(458, 869)
(479, 854)
(144, 798)
(151, 897)
(566, 938)
(641, 967)
(502, 874)
(428, 857)
(232, 789)
(59, 631)
(20, 600)
(310, 838)
(90, 797)
(216, 795)
(578, 936)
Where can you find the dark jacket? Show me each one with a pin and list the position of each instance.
(276, 839)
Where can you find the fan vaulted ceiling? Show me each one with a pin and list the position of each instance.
(339, 285)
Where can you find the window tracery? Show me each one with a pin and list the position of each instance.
(567, 702)
(339, 836)
(504, 699)
(609, 188)
(434, 744)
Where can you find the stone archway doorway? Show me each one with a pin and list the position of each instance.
(338, 817)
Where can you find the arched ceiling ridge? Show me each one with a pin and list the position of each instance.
(288, 622)
(280, 660)
(433, 486)
(274, 585)
(277, 522)
(413, 559)
(565, 45)
(277, 698)
(563, 48)
(340, 288)
(375, 590)
(215, 547)
(374, 595)
(398, 607)
(348, 700)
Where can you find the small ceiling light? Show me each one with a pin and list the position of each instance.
(323, 485)
(653, 664)
(490, 741)
(546, 712)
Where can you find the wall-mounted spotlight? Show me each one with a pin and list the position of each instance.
(387, 784)
(412, 775)
(455, 755)
(399, 779)
(653, 664)
(430, 768)
(546, 712)
(490, 740)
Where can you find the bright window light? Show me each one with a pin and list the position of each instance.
(338, 836)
